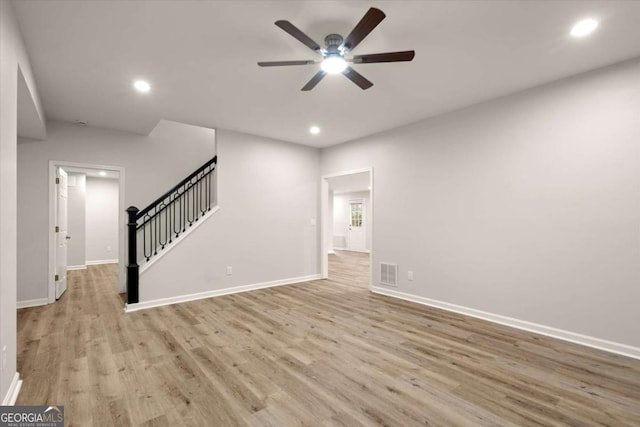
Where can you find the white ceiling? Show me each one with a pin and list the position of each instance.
(200, 57)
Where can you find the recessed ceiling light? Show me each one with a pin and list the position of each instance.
(584, 28)
(314, 130)
(103, 173)
(142, 86)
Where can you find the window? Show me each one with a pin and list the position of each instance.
(356, 214)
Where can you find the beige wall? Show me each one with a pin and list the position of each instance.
(527, 206)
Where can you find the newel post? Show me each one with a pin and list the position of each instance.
(132, 264)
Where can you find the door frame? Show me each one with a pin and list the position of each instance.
(324, 220)
(53, 164)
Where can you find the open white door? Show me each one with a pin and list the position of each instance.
(61, 232)
(357, 231)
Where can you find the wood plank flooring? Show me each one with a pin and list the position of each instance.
(322, 353)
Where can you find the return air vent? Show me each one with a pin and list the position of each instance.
(388, 274)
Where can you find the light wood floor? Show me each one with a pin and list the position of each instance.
(322, 353)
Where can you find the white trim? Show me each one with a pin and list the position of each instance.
(600, 344)
(144, 267)
(32, 302)
(76, 267)
(103, 261)
(129, 308)
(121, 221)
(14, 389)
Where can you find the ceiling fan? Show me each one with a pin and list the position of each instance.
(334, 53)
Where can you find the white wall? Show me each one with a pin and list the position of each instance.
(76, 220)
(341, 217)
(13, 60)
(102, 213)
(268, 193)
(527, 206)
(152, 163)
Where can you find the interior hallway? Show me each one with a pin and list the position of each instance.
(318, 353)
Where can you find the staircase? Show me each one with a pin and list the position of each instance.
(154, 228)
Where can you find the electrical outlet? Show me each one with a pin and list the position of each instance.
(410, 275)
(108, 248)
(229, 270)
(4, 358)
(312, 222)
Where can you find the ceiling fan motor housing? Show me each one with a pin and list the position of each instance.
(333, 42)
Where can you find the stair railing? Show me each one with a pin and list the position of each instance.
(164, 220)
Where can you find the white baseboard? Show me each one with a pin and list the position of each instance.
(600, 344)
(144, 267)
(218, 292)
(76, 267)
(102, 261)
(14, 389)
(32, 302)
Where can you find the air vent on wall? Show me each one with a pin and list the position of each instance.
(388, 274)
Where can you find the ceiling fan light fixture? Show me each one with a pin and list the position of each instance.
(333, 64)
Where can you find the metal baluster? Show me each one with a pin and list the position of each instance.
(159, 214)
(184, 209)
(155, 226)
(190, 203)
(169, 222)
(202, 199)
(146, 222)
(193, 218)
(209, 192)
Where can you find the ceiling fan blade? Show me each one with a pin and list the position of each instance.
(299, 35)
(314, 80)
(283, 63)
(368, 22)
(406, 55)
(357, 78)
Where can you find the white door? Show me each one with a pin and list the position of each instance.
(61, 232)
(357, 233)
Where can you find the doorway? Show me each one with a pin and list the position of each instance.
(87, 217)
(347, 218)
